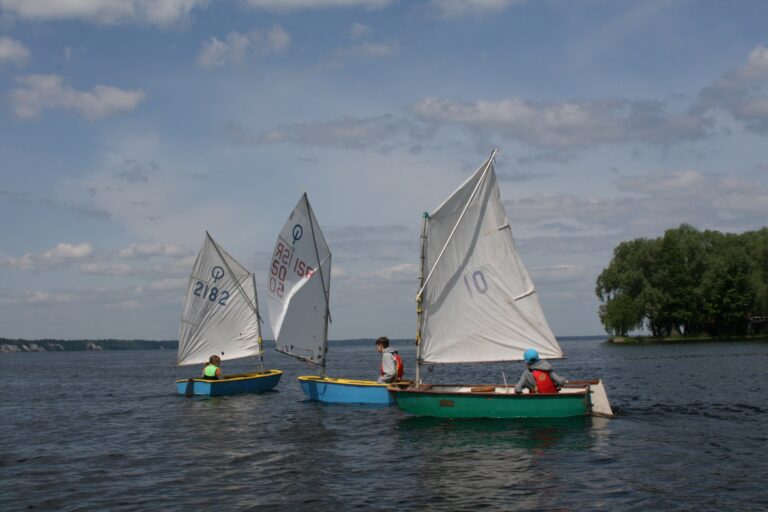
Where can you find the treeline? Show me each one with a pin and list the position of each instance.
(105, 344)
(687, 283)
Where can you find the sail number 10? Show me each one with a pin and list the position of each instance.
(282, 262)
(476, 281)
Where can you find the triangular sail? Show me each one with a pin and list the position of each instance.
(479, 301)
(220, 313)
(299, 287)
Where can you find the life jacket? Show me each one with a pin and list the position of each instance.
(210, 372)
(544, 383)
(399, 366)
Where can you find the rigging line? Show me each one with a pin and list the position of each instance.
(237, 281)
(450, 237)
(326, 291)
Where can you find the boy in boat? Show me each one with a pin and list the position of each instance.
(391, 368)
(212, 370)
(538, 377)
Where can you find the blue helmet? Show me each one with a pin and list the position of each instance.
(531, 356)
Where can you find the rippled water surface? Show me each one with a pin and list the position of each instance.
(106, 431)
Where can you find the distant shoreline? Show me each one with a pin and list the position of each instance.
(641, 340)
(9, 346)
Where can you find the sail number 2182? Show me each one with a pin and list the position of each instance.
(213, 294)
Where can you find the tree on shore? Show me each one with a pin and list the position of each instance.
(687, 283)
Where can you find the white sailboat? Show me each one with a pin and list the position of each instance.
(220, 317)
(299, 284)
(477, 304)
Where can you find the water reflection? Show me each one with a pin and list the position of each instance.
(492, 463)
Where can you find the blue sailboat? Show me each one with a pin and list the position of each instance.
(299, 284)
(220, 317)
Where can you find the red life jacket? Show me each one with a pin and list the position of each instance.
(399, 366)
(544, 383)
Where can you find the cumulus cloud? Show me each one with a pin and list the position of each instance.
(61, 254)
(574, 124)
(294, 5)
(237, 47)
(106, 269)
(39, 298)
(459, 8)
(38, 92)
(400, 273)
(149, 250)
(169, 284)
(379, 133)
(369, 49)
(155, 12)
(12, 51)
(646, 206)
(358, 30)
(742, 93)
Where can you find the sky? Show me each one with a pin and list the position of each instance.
(130, 127)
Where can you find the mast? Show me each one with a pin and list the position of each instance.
(326, 289)
(258, 324)
(419, 298)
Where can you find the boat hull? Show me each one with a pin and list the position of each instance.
(345, 391)
(489, 402)
(254, 382)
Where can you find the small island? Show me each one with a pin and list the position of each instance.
(687, 285)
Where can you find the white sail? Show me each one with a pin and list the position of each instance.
(220, 313)
(299, 287)
(479, 301)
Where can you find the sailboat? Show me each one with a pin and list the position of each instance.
(220, 317)
(299, 285)
(477, 304)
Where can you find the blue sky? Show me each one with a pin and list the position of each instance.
(129, 127)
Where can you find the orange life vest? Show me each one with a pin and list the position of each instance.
(544, 383)
(399, 366)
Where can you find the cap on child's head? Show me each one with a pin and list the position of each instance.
(531, 356)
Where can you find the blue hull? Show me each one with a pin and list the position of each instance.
(255, 382)
(345, 391)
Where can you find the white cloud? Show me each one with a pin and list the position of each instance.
(169, 284)
(570, 124)
(294, 5)
(458, 8)
(358, 30)
(742, 93)
(38, 92)
(43, 298)
(12, 51)
(155, 12)
(369, 49)
(402, 272)
(61, 254)
(148, 250)
(378, 132)
(105, 269)
(237, 47)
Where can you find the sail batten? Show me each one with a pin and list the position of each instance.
(219, 315)
(479, 301)
(299, 287)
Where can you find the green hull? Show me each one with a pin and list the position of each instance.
(449, 404)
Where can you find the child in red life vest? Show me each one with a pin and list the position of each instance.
(391, 368)
(538, 377)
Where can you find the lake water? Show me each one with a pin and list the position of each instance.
(106, 431)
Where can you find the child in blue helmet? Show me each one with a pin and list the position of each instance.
(538, 377)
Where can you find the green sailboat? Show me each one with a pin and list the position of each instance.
(477, 304)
